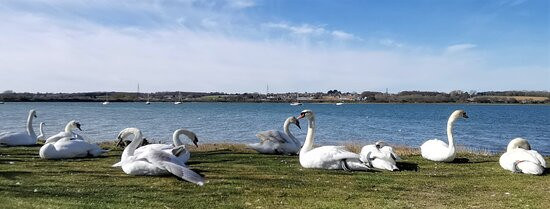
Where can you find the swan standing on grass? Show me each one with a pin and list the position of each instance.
(177, 149)
(68, 132)
(152, 162)
(519, 158)
(326, 157)
(67, 147)
(41, 136)
(277, 142)
(439, 151)
(22, 138)
(380, 155)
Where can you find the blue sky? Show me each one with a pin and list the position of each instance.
(292, 45)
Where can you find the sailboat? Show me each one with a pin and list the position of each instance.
(179, 99)
(296, 103)
(147, 102)
(106, 102)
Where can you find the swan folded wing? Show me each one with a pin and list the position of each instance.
(273, 135)
(335, 153)
(183, 172)
(14, 139)
(538, 157)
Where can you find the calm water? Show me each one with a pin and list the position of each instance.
(490, 127)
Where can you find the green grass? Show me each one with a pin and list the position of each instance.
(242, 179)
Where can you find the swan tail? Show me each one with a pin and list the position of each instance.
(528, 167)
(354, 164)
(119, 164)
(184, 173)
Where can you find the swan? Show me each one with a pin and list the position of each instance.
(326, 157)
(380, 155)
(152, 162)
(519, 158)
(41, 136)
(68, 132)
(277, 142)
(21, 138)
(67, 147)
(439, 151)
(177, 149)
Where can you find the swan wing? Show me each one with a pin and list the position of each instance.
(183, 172)
(334, 153)
(538, 156)
(274, 135)
(57, 137)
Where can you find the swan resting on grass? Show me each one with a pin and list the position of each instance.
(152, 162)
(520, 158)
(68, 132)
(277, 142)
(177, 149)
(326, 157)
(20, 138)
(380, 155)
(66, 148)
(439, 151)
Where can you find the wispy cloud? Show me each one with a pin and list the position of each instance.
(460, 47)
(390, 43)
(200, 46)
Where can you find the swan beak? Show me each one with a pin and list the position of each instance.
(78, 126)
(298, 124)
(35, 115)
(464, 115)
(302, 115)
(119, 142)
(195, 141)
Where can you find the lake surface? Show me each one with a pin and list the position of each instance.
(490, 127)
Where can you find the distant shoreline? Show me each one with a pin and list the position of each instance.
(332, 96)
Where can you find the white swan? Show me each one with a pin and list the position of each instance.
(437, 150)
(21, 138)
(326, 157)
(41, 136)
(66, 147)
(152, 161)
(519, 158)
(68, 132)
(277, 142)
(380, 155)
(177, 149)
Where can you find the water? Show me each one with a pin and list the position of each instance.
(490, 127)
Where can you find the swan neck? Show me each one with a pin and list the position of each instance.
(131, 148)
(68, 127)
(286, 129)
(30, 129)
(450, 132)
(308, 144)
(41, 130)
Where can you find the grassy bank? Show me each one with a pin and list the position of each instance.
(241, 179)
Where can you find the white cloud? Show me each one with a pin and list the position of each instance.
(341, 35)
(390, 43)
(241, 4)
(45, 53)
(460, 47)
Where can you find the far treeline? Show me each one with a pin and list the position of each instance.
(457, 96)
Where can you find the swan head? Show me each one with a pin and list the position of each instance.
(306, 114)
(294, 121)
(380, 144)
(125, 133)
(458, 114)
(32, 113)
(518, 143)
(75, 124)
